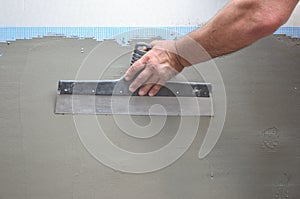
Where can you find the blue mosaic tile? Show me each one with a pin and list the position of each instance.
(121, 34)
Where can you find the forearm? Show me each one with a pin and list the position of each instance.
(239, 24)
(236, 26)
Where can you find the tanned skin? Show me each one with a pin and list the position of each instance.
(239, 24)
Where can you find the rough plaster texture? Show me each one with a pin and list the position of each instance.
(257, 155)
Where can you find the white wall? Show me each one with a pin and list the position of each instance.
(111, 12)
(295, 18)
(107, 12)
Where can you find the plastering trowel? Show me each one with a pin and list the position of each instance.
(114, 97)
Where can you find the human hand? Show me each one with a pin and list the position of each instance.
(156, 67)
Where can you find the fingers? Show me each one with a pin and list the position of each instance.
(151, 79)
(149, 84)
(154, 90)
(145, 89)
(152, 70)
(157, 87)
(152, 87)
(142, 78)
(135, 68)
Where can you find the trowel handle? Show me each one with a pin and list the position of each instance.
(140, 49)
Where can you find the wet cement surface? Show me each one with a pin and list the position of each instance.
(42, 156)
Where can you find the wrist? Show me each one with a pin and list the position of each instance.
(180, 59)
(190, 52)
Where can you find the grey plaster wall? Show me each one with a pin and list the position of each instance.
(257, 155)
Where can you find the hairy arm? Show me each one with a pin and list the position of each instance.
(237, 25)
(240, 23)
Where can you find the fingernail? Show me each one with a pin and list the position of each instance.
(151, 94)
(127, 78)
(131, 89)
(141, 92)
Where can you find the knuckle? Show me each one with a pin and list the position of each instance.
(132, 69)
(147, 86)
(163, 81)
(154, 42)
(139, 80)
(134, 85)
(152, 67)
(152, 70)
